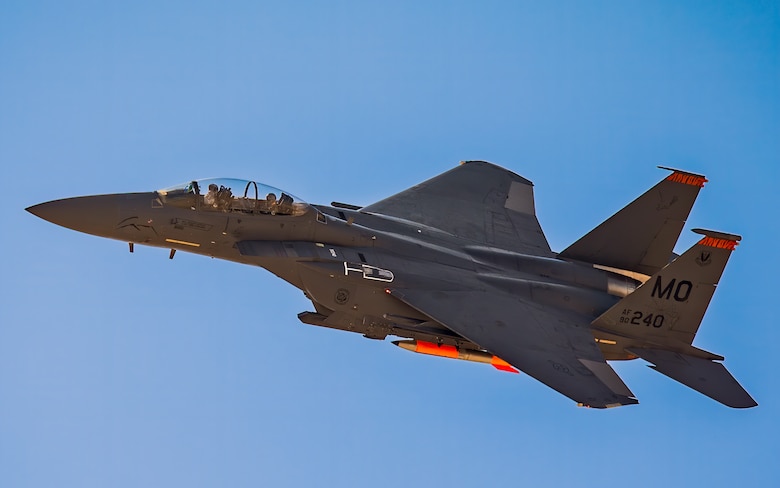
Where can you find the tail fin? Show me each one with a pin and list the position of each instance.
(668, 307)
(642, 235)
(660, 319)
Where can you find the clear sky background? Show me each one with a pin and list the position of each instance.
(132, 370)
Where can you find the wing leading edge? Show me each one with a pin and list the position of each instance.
(554, 348)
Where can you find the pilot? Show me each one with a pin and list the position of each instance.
(270, 200)
(285, 204)
(211, 197)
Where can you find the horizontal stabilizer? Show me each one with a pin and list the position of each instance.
(707, 377)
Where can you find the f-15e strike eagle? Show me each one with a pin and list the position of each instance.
(458, 266)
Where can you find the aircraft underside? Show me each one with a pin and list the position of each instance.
(458, 266)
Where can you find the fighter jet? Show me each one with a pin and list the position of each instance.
(458, 267)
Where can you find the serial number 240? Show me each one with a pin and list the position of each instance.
(636, 317)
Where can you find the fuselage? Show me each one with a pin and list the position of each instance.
(344, 259)
(458, 266)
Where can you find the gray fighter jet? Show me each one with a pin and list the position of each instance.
(458, 266)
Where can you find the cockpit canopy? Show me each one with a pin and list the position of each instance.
(233, 195)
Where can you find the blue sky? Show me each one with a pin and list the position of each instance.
(133, 370)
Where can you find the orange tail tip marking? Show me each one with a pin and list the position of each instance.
(502, 365)
(687, 179)
(437, 350)
(719, 243)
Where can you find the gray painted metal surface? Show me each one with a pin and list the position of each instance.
(459, 266)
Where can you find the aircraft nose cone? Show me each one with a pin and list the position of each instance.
(96, 215)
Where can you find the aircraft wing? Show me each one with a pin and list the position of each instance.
(477, 201)
(555, 348)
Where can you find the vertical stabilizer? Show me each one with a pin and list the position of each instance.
(669, 307)
(641, 236)
(660, 319)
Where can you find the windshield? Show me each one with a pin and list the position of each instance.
(232, 195)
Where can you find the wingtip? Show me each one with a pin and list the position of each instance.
(622, 403)
(747, 405)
